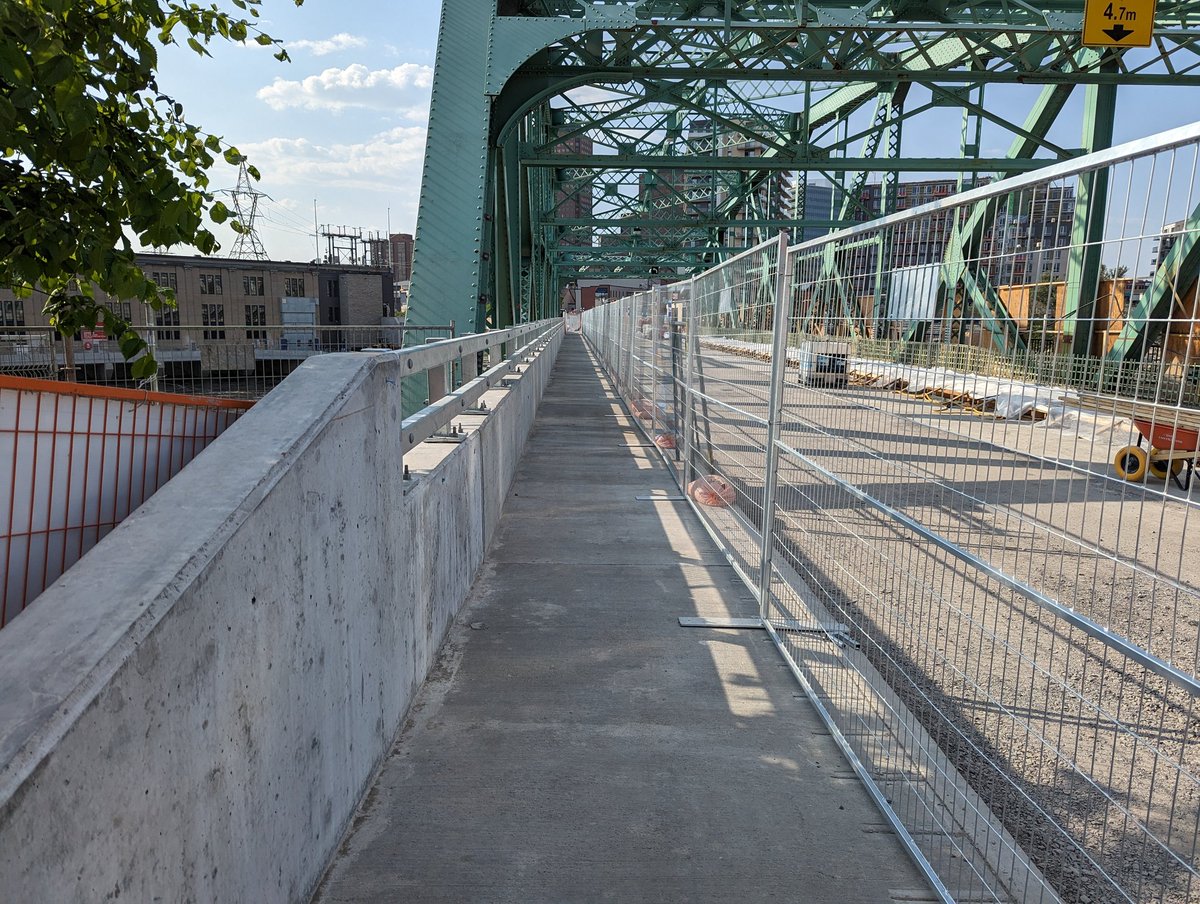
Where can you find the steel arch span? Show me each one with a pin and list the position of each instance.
(604, 139)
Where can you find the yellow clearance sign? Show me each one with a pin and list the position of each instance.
(1118, 23)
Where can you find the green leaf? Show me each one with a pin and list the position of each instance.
(131, 345)
(95, 155)
(143, 368)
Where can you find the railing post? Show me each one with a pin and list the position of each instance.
(634, 307)
(624, 355)
(436, 377)
(691, 348)
(657, 347)
(470, 367)
(782, 323)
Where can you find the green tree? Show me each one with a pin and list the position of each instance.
(93, 155)
(1109, 273)
(1041, 313)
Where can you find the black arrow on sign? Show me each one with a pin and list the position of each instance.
(1118, 32)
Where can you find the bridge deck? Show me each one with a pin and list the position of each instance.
(575, 744)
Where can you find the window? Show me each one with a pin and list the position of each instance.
(12, 313)
(210, 284)
(213, 315)
(252, 285)
(256, 315)
(164, 279)
(335, 289)
(167, 318)
(121, 309)
(293, 287)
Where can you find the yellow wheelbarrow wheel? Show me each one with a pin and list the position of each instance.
(1163, 469)
(1131, 463)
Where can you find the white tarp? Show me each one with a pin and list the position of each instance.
(912, 293)
(1006, 399)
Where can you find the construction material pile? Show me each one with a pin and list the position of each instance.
(993, 397)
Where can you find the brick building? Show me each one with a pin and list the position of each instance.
(225, 296)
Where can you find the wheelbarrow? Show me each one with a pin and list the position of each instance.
(1168, 438)
(1170, 451)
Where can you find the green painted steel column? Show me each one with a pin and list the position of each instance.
(1087, 231)
(449, 238)
(1148, 319)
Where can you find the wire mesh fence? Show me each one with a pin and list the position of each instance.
(243, 362)
(954, 465)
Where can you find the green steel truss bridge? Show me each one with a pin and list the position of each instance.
(615, 139)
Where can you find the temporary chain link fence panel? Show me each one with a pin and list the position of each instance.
(968, 436)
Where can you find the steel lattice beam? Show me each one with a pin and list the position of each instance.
(552, 118)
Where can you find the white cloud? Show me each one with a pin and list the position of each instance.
(403, 89)
(340, 41)
(590, 94)
(389, 161)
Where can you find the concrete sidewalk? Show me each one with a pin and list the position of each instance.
(574, 744)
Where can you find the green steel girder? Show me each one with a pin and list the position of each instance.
(1087, 230)
(887, 104)
(1005, 51)
(1146, 321)
(831, 283)
(492, 243)
(971, 228)
(788, 164)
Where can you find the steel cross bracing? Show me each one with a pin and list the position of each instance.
(575, 140)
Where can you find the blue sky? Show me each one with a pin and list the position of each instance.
(344, 123)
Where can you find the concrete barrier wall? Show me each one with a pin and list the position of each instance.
(194, 711)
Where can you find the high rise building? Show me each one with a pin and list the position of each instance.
(1165, 242)
(695, 194)
(1028, 241)
(401, 256)
(817, 197)
(574, 201)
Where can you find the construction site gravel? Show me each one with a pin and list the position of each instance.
(1087, 758)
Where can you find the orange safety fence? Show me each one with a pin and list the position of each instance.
(80, 459)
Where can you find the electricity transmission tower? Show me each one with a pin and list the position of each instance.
(245, 204)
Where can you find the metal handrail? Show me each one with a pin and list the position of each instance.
(441, 412)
